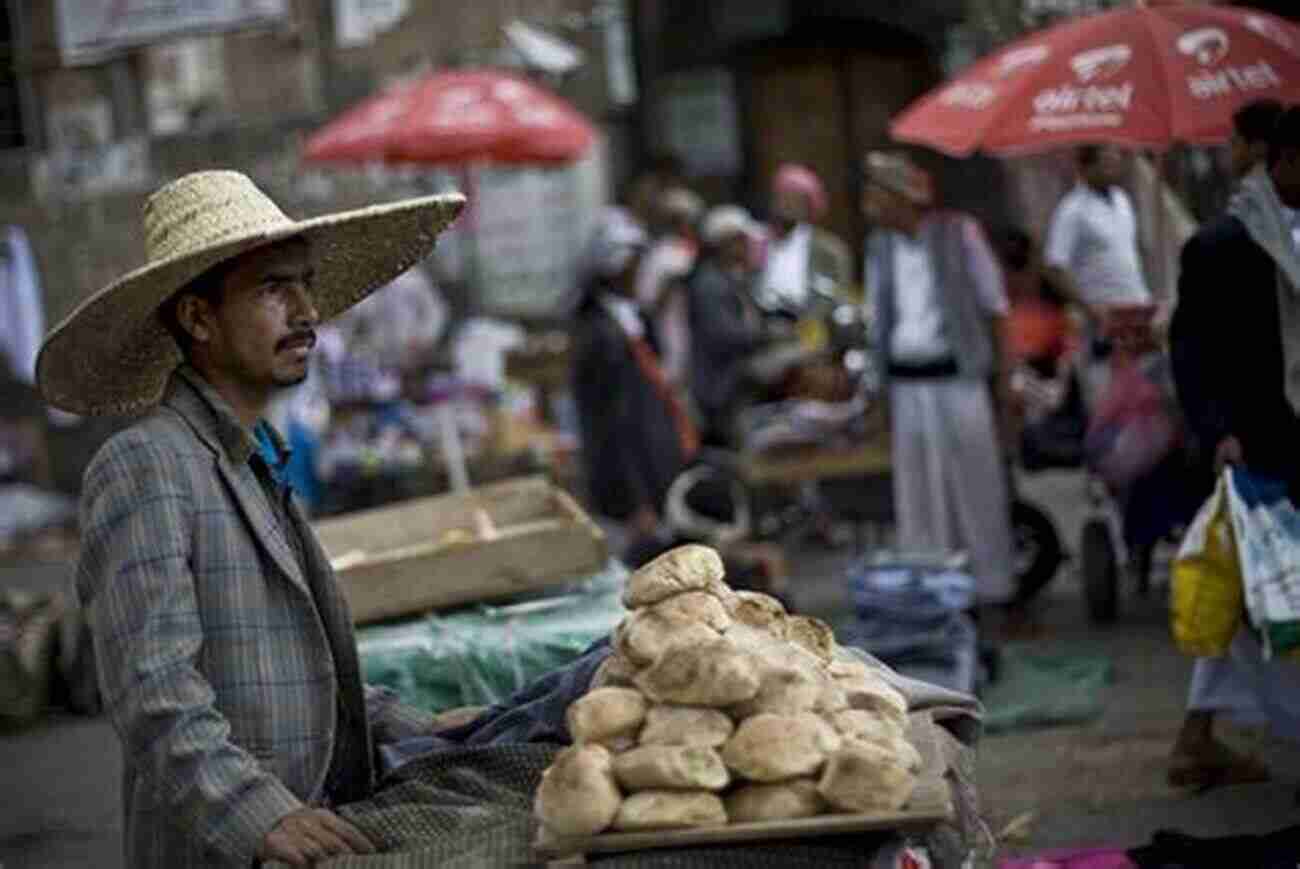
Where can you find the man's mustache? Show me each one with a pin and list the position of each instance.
(307, 337)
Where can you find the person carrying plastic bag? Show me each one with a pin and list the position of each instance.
(1235, 347)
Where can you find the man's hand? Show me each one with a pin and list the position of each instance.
(308, 835)
(1227, 453)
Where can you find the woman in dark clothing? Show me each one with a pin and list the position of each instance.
(636, 434)
(725, 324)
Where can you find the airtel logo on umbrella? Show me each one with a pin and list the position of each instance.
(1018, 59)
(969, 95)
(1101, 63)
(1208, 45)
(1269, 29)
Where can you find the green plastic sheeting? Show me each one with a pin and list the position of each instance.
(1039, 689)
(482, 655)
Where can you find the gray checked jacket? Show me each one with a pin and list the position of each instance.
(225, 680)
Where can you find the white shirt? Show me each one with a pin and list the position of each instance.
(785, 276)
(919, 332)
(1094, 237)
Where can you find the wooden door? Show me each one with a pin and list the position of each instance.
(797, 113)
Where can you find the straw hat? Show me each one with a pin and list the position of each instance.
(113, 355)
(897, 172)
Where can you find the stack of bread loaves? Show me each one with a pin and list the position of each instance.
(717, 707)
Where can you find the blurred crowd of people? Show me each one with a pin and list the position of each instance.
(685, 315)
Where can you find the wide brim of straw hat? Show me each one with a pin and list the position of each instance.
(113, 355)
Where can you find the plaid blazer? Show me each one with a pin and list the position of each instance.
(225, 681)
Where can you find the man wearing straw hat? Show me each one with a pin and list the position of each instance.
(938, 294)
(228, 663)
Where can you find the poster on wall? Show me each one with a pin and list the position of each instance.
(698, 120)
(186, 79)
(528, 231)
(90, 30)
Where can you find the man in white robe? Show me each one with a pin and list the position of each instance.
(938, 295)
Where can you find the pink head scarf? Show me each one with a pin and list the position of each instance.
(794, 178)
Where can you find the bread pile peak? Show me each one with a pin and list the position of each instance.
(716, 706)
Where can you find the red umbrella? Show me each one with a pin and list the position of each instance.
(456, 117)
(1147, 77)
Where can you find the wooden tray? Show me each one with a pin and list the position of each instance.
(931, 805)
(485, 544)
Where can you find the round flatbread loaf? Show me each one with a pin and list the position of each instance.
(694, 606)
(865, 777)
(874, 694)
(666, 810)
(783, 689)
(774, 748)
(615, 671)
(578, 795)
(606, 715)
(848, 668)
(756, 641)
(752, 804)
(832, 698)
(723, 592)
(867, 726)
(714, 674)
(686, 725)
(813, 635)
(671, 767)
(760, 611)
(686, 568)
(645, 635)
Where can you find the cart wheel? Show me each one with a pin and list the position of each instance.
(1038, 553)
(1100, 571)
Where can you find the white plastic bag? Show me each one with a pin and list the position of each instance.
(1267, 527)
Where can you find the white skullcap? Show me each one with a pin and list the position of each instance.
(725, 221)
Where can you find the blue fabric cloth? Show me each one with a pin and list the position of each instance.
(910, 613)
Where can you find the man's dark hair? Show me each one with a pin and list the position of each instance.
(207, 286)
(1087, 155)
(1254, 122)
(1286, 135)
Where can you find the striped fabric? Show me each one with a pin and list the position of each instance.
(222, 676)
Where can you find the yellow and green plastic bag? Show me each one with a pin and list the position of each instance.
(1208, 602)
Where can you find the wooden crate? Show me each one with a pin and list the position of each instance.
(485, 544)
